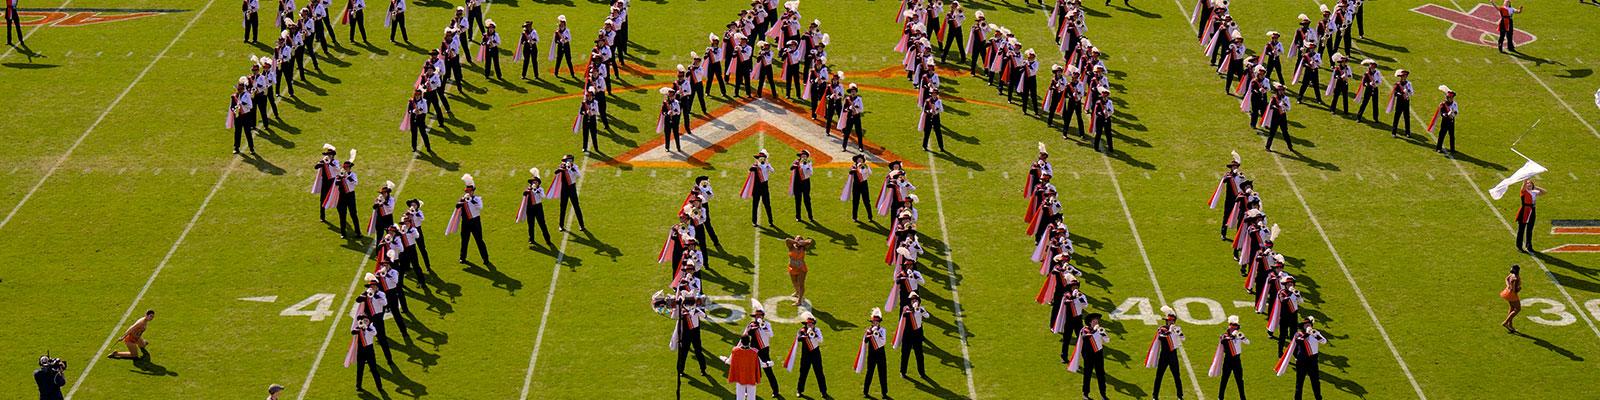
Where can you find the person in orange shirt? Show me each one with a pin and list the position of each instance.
(798, 246)
(744, 369)
(1512, 294)
(134, 337)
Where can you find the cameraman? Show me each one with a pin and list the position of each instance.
(50, 377)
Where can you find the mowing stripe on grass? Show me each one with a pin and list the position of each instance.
(550, 296)
(95, 358)
(1350, 278)
(950, 268)
(1151, 270)
(101, 118)
(339, 313)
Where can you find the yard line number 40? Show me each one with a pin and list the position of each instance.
(1204, 311)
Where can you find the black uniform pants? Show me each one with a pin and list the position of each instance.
(252, 27)
(936, 129)
(347, 206)
(1102, 128)
(13, 21)
(398, 23)
(760, 197)
(1447, 127)
(358, 20)
(590, 132)
(419, 127)
(690, 339)
(1094, 367)
(439, 103)
(876, 362)
(563, 52)
(570, 194)
(1312, 80)
(802, 195)
(536, 216)
(811, 360)
(397, 304)
(1231, 366)
(766, 358)
(714, 73)
(1306, 367)
(1279, 123)
(953, 35)
(529, 56)
(244, 126)
(853, 125)
(1368, 96)
(491, 61)
(1402, 112)
(912, 343)
(1341, 94)
(367, 360)
(1167, 363)
(473, 228)
(1074, 109)
(1525, 229)
(859, 198)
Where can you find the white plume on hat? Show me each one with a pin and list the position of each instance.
(1303, 17)
(1445, 89)
(1368, 61)
(1042, 149)
(913, 198)
(561, 18)
(806, 315)
(1278, 258)
(712, 36)
(980, 13)
(327, 147)
(352, 156)
(1233, 320)
(756, 307)
(877, 313)
(1273, 237)
(1235, 154)
(244, 80)
(826, 38)
(534, 171)
(1400, 72)
(467, 179)
(388, 185)
(694, 55)
(904, 252)
(1167, 310)
(840, 74)
(370, 277)
(665, 91)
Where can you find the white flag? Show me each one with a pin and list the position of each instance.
(1528, 171)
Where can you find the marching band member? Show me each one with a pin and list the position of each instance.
(474, 18)
(564, 186)
(807, 351)
(382, 210)
(871, 356)
(1089, 357)
(1227, 359)
(854, 108)
(1503, 40)
(392, 282)
(414, 219)
(1103, 112)
(361, 337)
(932, 108)
(371, 304)
(1277, 114)
(686, 332)
(1369, 89)
(489, 52)
(1067, 308)
(744, 370)
(800, 184)
(1309, 71)
(433, 87)
(978, 42)
(588, 116)
(417, 121)
(450, 49)
(714, 61)
(1163, 354)
(321, 27)
(527, 49)
(1233, 64)
(1444, 116)
(702, 191)
(326, 168)
(1255, 95)
(1228, 192)
(1400, 102)
(1271, 54)
(532, 208)
(345, 183)
(252, 21)
(908, 335)
(1307, 345)
(697, 82)
(1285, 311)
(1526, 214)
(954, 16)
(241, 115)
(397, 21)
(562, 50)
(667, 119)
(409, 235)
(792, 59)
(833, 99)
(684, 91)
(1028, 82)
(1039, 168)
(1339, 85)
(469, 209)
(741, 63)
(755, 188)
(855, 187)
(355, 16)
(760, 333)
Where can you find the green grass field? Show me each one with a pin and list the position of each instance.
(121, 196)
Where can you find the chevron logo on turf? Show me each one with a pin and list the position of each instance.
(75, 17)
(741, 120)
(1575, 227)
(1480, 26)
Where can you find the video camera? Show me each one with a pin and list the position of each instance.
(52, 363)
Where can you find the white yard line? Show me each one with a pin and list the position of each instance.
(338, 313)
(550, 296)
(1387, 341)
(101, 118)
(1151, 270)
(98, 354)
(950, 269)
(30, 33)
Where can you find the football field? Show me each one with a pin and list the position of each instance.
(118, 195)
